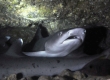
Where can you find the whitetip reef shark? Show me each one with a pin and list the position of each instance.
(14, 62)
(59, 44)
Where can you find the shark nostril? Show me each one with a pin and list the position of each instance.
(69, 33)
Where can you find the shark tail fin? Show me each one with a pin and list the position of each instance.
(15, 48)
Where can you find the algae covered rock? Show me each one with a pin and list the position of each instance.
(56, 14)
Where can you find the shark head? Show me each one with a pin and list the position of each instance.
(65, 41)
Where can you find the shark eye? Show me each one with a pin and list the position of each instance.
(60, 33)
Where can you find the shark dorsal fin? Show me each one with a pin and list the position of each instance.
(44, 31)
(41, 32)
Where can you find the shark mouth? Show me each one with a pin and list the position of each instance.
(72, 37)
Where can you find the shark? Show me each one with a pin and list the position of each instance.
(59, 44)
(15, 62)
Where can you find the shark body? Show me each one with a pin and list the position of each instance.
(59, 44)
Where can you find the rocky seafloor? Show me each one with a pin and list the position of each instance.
(64, 75)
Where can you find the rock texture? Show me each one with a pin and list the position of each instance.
(54, 14)
(74, 76)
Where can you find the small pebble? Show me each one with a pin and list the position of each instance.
(45, 78)
(78, 75)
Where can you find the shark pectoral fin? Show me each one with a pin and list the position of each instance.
(40, 54)
(15, 48)
(36, 54)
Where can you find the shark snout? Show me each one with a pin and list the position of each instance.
(78, 33)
